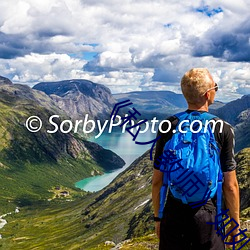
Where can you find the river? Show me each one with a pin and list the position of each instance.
(123, 145)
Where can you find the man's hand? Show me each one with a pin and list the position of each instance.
(157, 228)
(230, 237)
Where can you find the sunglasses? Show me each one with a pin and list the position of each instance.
(216, 87)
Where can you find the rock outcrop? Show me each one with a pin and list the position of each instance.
(80, 97)
(4, 80)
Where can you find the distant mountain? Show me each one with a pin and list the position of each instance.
(4, 80)
(164, 103)
(79, 97)
(31, 163)
(232, 110)
(237, 113)
(154, 103)
(158, 103)
(216, 105)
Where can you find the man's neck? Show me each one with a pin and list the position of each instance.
(198, 107)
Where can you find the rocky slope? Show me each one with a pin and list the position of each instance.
(79, 97)
(31, 163)
(242, 130)
(243, 175)
(116, 208)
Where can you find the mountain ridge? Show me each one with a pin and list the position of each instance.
(79, 97)
(4, 80)
(160, 104)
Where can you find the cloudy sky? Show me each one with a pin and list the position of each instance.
(126, 45)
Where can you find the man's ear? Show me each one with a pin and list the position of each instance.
(207, 95)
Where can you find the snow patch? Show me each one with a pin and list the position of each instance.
(142, 204)
(143, 186)
(2, 223)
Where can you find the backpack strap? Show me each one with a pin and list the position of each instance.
(209, 116)
(163, 194)
(165, 188)
(219, 199)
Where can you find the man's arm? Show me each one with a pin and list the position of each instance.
(156, 187)
(230, 185)
(228, 164)
(232, 200)
(157, 178)
(231, 194)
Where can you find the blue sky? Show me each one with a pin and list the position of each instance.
(126, 45)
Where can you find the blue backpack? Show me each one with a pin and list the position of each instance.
(191, 162)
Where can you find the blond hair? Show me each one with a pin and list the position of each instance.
(195, 83)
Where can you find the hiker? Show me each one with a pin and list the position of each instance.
(181, 226)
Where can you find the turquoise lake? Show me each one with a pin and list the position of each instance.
(123, 145)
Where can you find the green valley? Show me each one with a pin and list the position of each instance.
(32, 163)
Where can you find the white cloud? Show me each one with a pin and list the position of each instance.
(140, 44)
(35, 68)
(117, 81)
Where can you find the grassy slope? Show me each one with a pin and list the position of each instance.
(61, 225)
(48, 226)
(31, 164)
(243, 175)
(106, 215)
